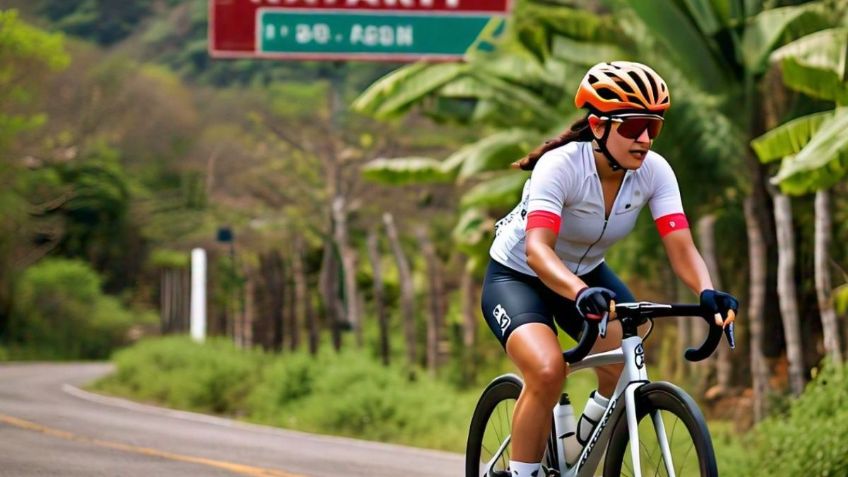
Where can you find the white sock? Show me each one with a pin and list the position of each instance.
(595, 407)
(523, 469)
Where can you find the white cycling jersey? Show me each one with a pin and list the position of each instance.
(564, 193)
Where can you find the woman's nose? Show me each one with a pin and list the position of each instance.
(644, 136)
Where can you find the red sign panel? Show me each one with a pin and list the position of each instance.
(233, 23)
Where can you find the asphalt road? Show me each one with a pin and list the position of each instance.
(48, 426)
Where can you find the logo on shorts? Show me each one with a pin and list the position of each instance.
(503, 319)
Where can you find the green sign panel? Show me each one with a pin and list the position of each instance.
(372, 35)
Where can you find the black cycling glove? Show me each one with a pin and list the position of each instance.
(593, 302)
(717, 302)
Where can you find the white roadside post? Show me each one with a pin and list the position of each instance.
(198, 295)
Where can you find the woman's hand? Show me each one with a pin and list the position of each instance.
(723, 306)
(593, 302)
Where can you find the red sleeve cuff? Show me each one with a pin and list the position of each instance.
(541, 218)
(669, 223)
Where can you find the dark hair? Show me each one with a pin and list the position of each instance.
(579, 131)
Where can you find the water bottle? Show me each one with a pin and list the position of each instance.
(566, 429)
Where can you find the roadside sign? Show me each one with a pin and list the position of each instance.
(390, 30)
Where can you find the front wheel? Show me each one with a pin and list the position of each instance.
(668, 408)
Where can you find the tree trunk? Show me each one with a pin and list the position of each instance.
(164, 301)
(330, 291)
(312, 324)
(706, 241)
(300, 293)
(407, 290)
(787, 292)
(293, 336)
(349, 266)
(756, 309)
(185, 293)
(379, 299)
(435, 324)
(830, 324)
(248, 310)
(470, 319)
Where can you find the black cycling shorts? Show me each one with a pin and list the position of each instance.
(511, 299)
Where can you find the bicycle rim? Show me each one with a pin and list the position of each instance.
(491, 426)
(689, 444)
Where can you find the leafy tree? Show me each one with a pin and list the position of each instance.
(62, 313)
(27, 56)
(102, 21)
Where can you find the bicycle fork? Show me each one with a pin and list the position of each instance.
(634, 356)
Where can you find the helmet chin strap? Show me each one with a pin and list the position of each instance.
(602, 147)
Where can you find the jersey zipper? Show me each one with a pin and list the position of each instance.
(606, 221)
(577, 271)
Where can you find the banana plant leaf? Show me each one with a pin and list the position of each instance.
(696, 54)
(397, 92)
(790, 138)
(822, 162)
(495, 152)
(776, 26)
(503, 192)
(409, 170)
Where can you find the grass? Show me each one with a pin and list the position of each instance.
(352, 394)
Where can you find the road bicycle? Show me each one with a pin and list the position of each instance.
(674, 441)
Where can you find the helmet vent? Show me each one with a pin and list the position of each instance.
(641, 84)
(653, 86)
(608, 94)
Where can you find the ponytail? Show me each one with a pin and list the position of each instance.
(579, 131)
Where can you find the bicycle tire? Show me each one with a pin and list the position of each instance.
(503, 389)
(665, 398)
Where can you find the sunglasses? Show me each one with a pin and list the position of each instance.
(632, 127)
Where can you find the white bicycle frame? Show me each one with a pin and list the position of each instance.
(634, 375)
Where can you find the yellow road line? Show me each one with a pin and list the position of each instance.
(230, 466)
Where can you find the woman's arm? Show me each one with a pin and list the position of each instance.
(539, 247)
(686, 261)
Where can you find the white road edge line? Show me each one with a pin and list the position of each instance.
(231, 423)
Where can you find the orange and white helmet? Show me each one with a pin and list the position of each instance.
(623, 85)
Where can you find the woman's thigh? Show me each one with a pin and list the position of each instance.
(511, 300)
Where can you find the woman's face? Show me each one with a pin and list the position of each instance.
(630, 153)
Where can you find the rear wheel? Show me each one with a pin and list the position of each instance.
(690, 447)
(491, 428)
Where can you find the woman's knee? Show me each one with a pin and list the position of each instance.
(548, 377)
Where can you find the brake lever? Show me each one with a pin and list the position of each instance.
(602, 326)
(729, 334)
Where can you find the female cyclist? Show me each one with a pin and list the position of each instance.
(547, 260)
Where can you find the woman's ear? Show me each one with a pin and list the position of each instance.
(596, 125)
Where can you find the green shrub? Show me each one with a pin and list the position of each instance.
(345, 394)
(811, 439)
(353, 394)
(61, 313)
(210, 377)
